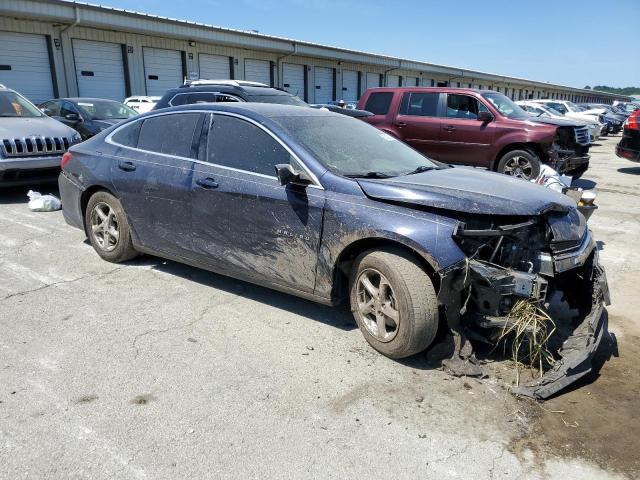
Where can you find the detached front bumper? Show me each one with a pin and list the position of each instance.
(577, 351)
(29, 170)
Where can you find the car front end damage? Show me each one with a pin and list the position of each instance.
(549, 261)
(569, 151)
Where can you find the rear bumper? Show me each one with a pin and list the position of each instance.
(71, 197)
(629, 154)
(29, 170)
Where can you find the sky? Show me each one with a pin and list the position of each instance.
(567, 42)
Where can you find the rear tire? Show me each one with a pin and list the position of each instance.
(402, 319)
(520, 163)
(108, 229)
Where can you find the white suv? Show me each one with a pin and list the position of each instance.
(571, 110)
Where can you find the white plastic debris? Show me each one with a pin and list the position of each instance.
(43, 203)
(552, 179)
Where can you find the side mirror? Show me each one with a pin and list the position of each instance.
(485, 117)
(72, 117)
(46, 111)
(286, 174)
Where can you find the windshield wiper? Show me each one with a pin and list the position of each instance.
(368, 175)
(420, 169)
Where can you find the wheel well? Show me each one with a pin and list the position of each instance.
(343, 265)
(531, 147)
(86, 195)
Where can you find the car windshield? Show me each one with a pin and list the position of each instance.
(552, 111)
(14, 105)
(280, 99)
(353, 148)
(104, 110)
(506, 106)
(572, 106)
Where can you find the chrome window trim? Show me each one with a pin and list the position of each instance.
(316, 183)
(192, 93)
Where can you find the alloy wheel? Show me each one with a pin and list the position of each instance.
(377, 306)
(519, 167)
(104, 227)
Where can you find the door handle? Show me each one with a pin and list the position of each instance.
(449, 128)
(207, 182)
(126, 166)
(401, 124)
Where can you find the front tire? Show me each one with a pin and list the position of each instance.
(520, 163)
(108, 229)
(393, 302)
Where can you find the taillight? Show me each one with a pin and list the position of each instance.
(65, 159)
(633, 122)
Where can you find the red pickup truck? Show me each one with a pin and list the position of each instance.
(478, 127)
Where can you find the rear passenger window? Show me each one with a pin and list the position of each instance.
(239, 144)
(378, 103)
(420, 104)
(128, 135)
(172, 134)
(464, 106)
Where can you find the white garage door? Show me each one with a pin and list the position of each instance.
(410, 82)
(293, 79)
(373, 80)
(24, 65)
(349, 86)
(162, 70)
(99, 69)
(257, 71)
(214, 67)
(393, 80)
(428, 82)
(323, 84)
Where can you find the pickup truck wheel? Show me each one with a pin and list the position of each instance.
(394, 302)
(520, 163)
(108, 228)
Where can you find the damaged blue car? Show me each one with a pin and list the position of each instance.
(329, 208)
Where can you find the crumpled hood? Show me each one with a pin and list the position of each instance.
(16, 127)
(468, 190)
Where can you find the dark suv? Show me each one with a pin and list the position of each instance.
(213, 91)
(478, 127)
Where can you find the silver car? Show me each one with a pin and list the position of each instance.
(31, 144)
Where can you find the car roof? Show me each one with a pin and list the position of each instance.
(83, 99)
(249, 90)
(253, 110)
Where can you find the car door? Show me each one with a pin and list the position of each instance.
(465, 139)
(152, 170)
(244, 222)
(71, 116)
(418, 122)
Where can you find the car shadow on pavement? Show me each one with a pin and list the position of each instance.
(584, 184)
(339, 317)
(14, 195)
(630, 170)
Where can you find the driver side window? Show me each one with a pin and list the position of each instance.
(463, 106)
(67, 108)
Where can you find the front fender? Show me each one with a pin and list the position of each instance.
(351, 224)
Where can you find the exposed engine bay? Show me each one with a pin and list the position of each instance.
(540, 261)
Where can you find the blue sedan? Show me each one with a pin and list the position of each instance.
(327, 207)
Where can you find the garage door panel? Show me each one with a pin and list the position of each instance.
(28, 71)
(257, 71)
(293, 79)
(349, 86)
(214, 67)
(393, 80)
(162, 70)
(323, 84)
(373, 80)
(99, 69)
(410, 82)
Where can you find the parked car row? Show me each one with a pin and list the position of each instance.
(629, 146)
